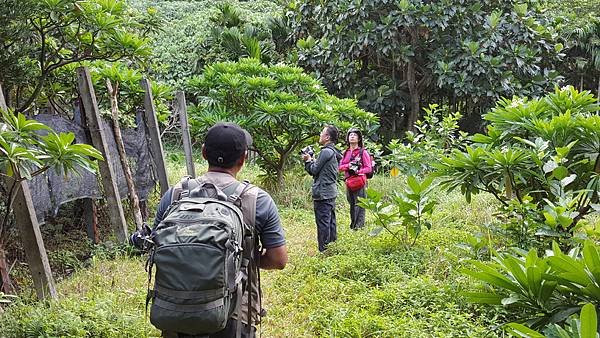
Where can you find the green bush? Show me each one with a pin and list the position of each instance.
(540, 291)
(281, 106)
(434, 136)
(540, 159)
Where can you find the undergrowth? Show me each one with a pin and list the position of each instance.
(362, 286)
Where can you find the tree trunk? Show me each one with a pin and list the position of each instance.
(413, 85)
(133, 198)
(7, 286)
(280, 179)
(415, 97)
(598, 96)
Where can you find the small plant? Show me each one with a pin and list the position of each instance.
(477, 246)
(435, 135)
(583, 326)
(409, 209)
(540, 291)
(520, 222)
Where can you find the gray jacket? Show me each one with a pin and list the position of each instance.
(324, 171)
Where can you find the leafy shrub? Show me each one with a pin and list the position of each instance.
(539, 291)
(540, 160)
(408, 208)
(282, 107)
(435, 135)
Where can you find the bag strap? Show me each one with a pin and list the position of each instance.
(150, 292)
(248, 255)
(361, 154)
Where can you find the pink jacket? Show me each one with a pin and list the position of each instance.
(350, 155)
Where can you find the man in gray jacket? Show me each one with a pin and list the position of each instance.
(324, 171)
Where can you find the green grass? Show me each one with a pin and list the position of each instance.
(362, 286)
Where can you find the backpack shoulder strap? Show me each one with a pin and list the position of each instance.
(234, 193)
(183, 187)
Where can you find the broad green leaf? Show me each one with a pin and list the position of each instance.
(591, 259)
(521, 330)
(483, 297)
(413, 184)
(560, 172)
(589, 321)
(494, 278)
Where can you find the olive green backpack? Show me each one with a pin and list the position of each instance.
(200, 258)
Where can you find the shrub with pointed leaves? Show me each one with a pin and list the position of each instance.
(542, 151)
(281, 106)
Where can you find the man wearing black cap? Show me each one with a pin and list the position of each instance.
(225, 148)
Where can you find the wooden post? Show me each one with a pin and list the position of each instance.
(155, 142)
(31, 237)
(109, 180)
(90, 214)
(181, 107)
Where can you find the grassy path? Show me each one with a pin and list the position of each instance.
(363, 287)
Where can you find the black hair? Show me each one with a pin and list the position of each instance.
(360, 137)
(332, 132)
(225, 164)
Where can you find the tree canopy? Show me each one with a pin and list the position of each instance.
(281, 106)
(39, 38)
(396, 56)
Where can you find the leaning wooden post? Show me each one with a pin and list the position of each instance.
(109, 181)
(31, 236)
(185, 132)
(155, 142)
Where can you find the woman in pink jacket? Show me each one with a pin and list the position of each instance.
(356, 164)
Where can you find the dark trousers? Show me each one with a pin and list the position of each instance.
(228, 332)
(357, 214)
(326, 224)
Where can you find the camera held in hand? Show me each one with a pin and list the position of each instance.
(353, 167)
(142, 238)
(307, 150)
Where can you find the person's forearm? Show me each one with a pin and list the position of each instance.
(267, 263)
(276, 259)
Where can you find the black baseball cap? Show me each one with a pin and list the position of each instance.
(224, 144)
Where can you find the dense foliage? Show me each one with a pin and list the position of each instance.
(540, 157)
(395, 56)
(186, 43)
(42, 39)
(281, 106)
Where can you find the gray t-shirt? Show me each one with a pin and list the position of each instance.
(268, 224)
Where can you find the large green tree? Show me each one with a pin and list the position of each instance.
(396, 56)
(39, 38)
(281, 106)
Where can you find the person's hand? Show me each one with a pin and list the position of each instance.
(306, 157)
